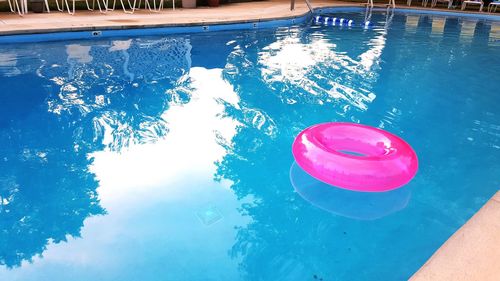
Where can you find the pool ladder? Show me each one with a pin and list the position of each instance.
(308, 3)
(391, 4)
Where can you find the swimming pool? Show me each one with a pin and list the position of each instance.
(169, 157)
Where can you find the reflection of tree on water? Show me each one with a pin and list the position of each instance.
(121, 87)
(58, 109)
(284, 231)
(46, 191)
(46, 195)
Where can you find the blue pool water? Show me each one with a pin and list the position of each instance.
(169, 158)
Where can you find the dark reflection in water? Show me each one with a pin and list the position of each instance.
(46, 191)
(348, 203)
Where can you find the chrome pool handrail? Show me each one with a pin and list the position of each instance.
(308, 3)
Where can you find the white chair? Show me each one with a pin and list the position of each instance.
(72, 10)
(103, 9)
(153, 8)
(473, 2)
(424, 3)
(434, 3)
(15, 6)
(60, 8)
(24, 5)
(492, 7)
(131, 6)
(47, 5)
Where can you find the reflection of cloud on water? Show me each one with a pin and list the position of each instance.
(347, 203)
(120, 45)
(80, 53)
(288, 63)
(61, 106)
(8, 63)
(290, 60)
(154, 194)
(195, 129)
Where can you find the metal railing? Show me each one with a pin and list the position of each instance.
(292, 5)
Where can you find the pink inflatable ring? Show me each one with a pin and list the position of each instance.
(355, 157)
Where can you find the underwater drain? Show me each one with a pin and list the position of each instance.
(209, 215)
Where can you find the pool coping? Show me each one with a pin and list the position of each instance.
(471, 253)
(92, 32)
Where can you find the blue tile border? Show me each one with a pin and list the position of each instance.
(188, 29)
(132, 32)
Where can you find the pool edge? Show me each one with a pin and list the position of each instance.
(95, 32)
(471, 253)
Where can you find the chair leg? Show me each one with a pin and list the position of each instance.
(10, 6)
(20, 7)
(103, 9)
(15, 6)
(107, 5)
(123, 6)
(47, 6)
(130, 5)
(24, 8)
(59, 7)
(71, 12)
(88, 6)
(154, 8)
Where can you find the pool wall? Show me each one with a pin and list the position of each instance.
(93, 33)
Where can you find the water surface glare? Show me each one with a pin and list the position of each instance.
(169, 158)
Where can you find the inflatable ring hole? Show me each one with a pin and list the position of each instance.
(353, 153)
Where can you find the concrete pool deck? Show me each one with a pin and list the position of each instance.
(90, 20)
(472, 253)
(228, 13)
